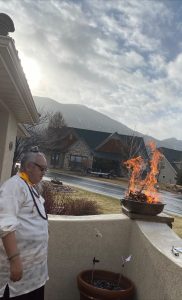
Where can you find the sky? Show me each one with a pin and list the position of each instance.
(122, 58)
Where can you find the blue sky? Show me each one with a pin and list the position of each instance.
(120, 57)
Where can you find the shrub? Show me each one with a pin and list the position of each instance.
(47, 194)
(66, 205)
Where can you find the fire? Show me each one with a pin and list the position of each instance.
(145, 186)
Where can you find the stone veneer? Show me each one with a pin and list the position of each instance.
(79, 148)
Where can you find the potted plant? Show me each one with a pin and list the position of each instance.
(99, 284)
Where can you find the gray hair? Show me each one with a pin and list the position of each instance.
(29, 157)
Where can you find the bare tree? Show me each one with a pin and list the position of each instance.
(132, 147)
(39, 135)
(56, 121)
(55, 132)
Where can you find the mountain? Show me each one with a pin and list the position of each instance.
(80, 116)
(172, 143)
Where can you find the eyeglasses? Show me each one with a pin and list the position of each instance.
(43, 169)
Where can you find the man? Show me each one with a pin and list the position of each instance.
(23, 232)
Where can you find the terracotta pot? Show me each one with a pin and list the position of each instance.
(143, 208)
(90, 292)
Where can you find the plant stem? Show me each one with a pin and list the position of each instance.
(92, 277)
(119, 279)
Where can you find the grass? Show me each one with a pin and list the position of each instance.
(109, 205)
(177, 226)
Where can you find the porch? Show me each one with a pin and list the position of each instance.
(154, 269)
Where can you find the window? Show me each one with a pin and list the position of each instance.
(77, 158)
(76, 162)
(55, 158)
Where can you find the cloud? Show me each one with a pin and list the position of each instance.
(174, 69)
(121, 58)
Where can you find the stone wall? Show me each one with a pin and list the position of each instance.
(79, 148)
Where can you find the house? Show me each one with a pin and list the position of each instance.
(16, 103)
(170, 165)
(78, 149)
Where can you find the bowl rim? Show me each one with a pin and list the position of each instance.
(146, 203)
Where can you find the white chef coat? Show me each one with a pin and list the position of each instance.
(18, 213)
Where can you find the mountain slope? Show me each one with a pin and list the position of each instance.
(172, 143)
(80, 116)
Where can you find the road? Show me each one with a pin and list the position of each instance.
(173, 201)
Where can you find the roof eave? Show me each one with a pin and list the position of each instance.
(12, 64)
(22, 131)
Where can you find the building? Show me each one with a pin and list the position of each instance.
(170, 165)
(16, 103)
(78, 149)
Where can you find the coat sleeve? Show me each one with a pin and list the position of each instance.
(10, 204)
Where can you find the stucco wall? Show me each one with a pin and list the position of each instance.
(73, 245)
(155, 271)
(8, 131)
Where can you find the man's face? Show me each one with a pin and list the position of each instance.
(37, 169)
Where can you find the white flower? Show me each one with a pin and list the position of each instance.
(128, 258)
(98, 233)
(124, 260)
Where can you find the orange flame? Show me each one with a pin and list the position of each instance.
(147, 185)
(135, 165)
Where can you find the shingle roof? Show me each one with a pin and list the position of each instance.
(91, 137)
(172, 156)
(96, 138)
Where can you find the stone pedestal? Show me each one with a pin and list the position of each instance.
(161, 218)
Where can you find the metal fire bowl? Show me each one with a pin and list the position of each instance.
(143, 208)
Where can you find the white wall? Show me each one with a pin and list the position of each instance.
(155, 270)
(8, 131)
(167, 173)
(73, 245)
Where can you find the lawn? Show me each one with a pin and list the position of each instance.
(109, 205)
(177, 226)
